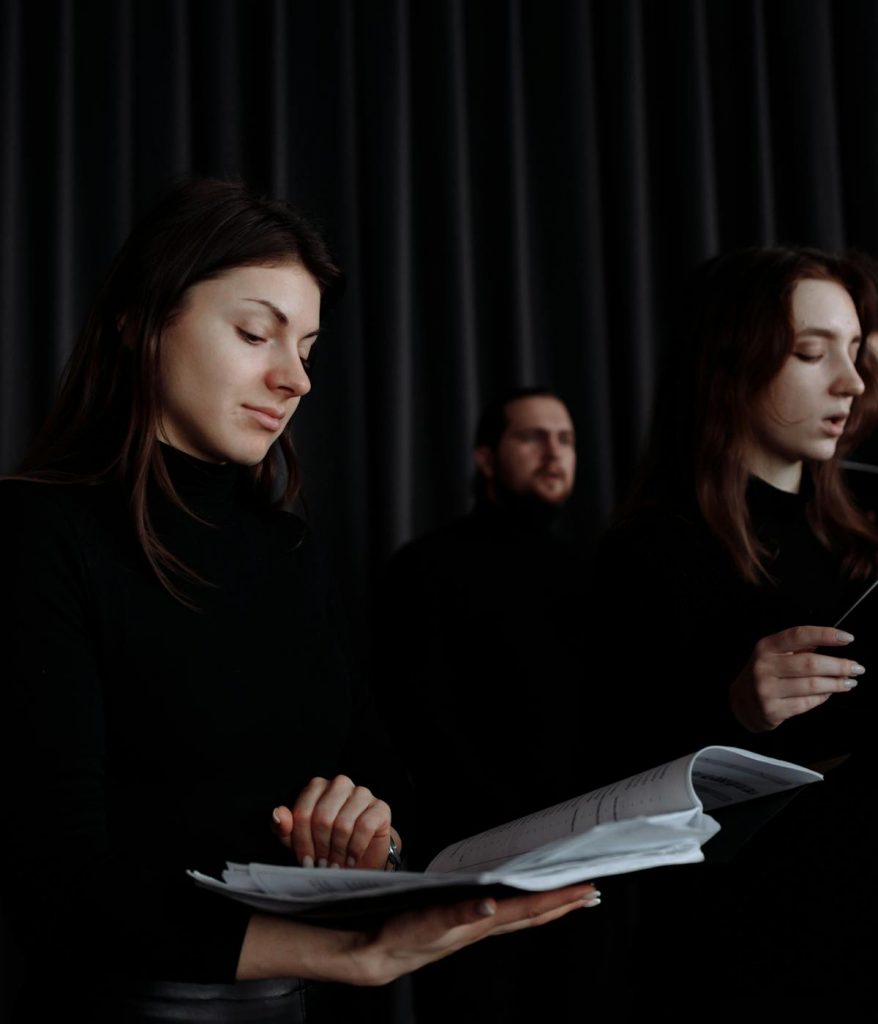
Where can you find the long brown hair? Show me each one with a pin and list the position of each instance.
(735, 333)
(104, 423)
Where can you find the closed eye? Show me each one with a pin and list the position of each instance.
(252, 339)
(806, 357)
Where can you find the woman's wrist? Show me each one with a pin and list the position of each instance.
(276, 947)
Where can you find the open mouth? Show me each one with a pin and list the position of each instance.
(835, 425)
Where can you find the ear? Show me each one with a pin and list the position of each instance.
(484, 457)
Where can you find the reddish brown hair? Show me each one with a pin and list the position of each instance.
(104, 423)
(736, 334)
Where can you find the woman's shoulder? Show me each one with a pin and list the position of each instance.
(38, 519)
(44, 501)
(293, 532)
(665, 555)
(298, 542)
(658, 533)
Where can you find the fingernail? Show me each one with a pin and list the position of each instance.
(307, 861)
(591, 901)
(334, 865)
(351, 862)
(486, 909)
(593, 895)
(275, 816)
(850, 683)
(857, 670)
(843, 638)
(322, 863)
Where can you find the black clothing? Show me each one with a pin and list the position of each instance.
(782, 926)
(144, 737)
(861, 474)
(480, 653)
(479, 668)
(679, 625)
(277, 1001)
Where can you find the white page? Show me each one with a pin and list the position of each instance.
(665, 789)
(725, 775)
(586, 854)
(646, 820)
(610, 849)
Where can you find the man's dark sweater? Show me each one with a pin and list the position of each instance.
(480, 663)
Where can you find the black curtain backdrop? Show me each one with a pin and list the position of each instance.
(514, 188)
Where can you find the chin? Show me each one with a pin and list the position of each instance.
(555, 494)
(553, 498)
(823, 453)
(246, 455)
(250, 460)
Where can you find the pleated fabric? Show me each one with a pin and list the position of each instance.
(515, 188)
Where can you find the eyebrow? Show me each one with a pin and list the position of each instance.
(565, 432)
(823, 332)
(280, 316)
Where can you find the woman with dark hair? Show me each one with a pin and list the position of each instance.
(738, 551)
(172, 661)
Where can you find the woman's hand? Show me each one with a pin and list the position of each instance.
(411, 940)
(786, 677)
(336, 824)
(275, 947)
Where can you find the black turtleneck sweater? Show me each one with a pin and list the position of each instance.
(481, 642)
(678, 625)
(143, 737)
(479, 663)
(676, 628)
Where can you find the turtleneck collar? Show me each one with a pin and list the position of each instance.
(197, 480)
(526, 513)
(769, 502)
(780, 521)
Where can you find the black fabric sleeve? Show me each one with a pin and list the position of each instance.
(668, 643)
(72, 891)
(371, 756)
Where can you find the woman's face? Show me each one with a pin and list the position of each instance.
(234, 361)
(803, 412)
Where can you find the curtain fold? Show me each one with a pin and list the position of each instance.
(515, 188)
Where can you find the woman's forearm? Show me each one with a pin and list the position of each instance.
(279, 948)
(275, 947)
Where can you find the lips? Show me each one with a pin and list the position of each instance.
(552, 479)
(834, 425)
(266, 417)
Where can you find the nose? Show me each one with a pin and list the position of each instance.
(849, 382)
(289, 376)
(553, 446)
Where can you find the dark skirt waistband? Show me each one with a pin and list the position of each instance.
(275, 1001)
